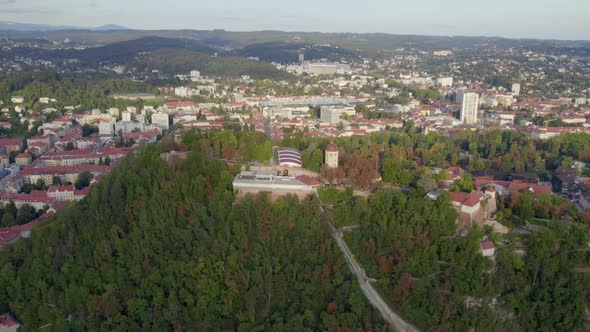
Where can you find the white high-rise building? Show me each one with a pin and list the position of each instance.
(469, 108)
(459, 95)
(515, 89)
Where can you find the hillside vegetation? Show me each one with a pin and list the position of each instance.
(165, 247)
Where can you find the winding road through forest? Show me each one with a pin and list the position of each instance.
(371, 294)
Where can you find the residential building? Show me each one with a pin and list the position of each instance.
(488, 249)
(17, 99)
(62, 193)
(459, 95)
(332, 114)
(8, 323)
(469, 108)
(23, 160)
(469, 207)
(126, 127)
(4, 161)
(515, 89)
(106, 129)
(126, 116)
(8, 145)
(66, 173)
(564, 180)
(195, 75)
(444, 82)
(162, 120)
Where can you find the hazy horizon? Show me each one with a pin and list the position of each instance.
(502, 18)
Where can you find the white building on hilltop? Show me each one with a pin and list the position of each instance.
(469, 108)
(195, 75)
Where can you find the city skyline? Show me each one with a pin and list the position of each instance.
(524, 19)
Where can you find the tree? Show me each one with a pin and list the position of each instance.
(26, 214)
(56, 181)
(316, 161)
(464, 184)
(8, 219)
(40, 185)
(88, 130)
(83, 180)
(9, 216)
(426, 182)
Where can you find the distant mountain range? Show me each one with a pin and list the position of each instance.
(13, 26)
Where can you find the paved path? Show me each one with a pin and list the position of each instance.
(372, 295)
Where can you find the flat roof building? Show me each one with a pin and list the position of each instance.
(257, 182)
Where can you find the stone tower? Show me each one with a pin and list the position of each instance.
(332, 155)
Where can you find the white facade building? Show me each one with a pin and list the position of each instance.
(106, 129)
(444, 81)
(515, 89)
(127, 127)
(126, 116)
(195, 75)
(161, 120)
(469, 108)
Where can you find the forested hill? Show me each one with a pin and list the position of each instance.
(164, 247)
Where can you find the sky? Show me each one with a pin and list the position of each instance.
(551, 19)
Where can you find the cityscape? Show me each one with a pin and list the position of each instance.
(268, 180)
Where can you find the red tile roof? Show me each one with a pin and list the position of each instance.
(10, 141)
(308, 180)
(65, 169)
(471, 199)
(487, 245)
(7, 320)
(61, 189)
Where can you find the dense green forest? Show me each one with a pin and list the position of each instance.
(283, 52)
(183, 61)
(158, 246)
(88, 90)
(170, 55)
(441, 282)
(117, 52)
